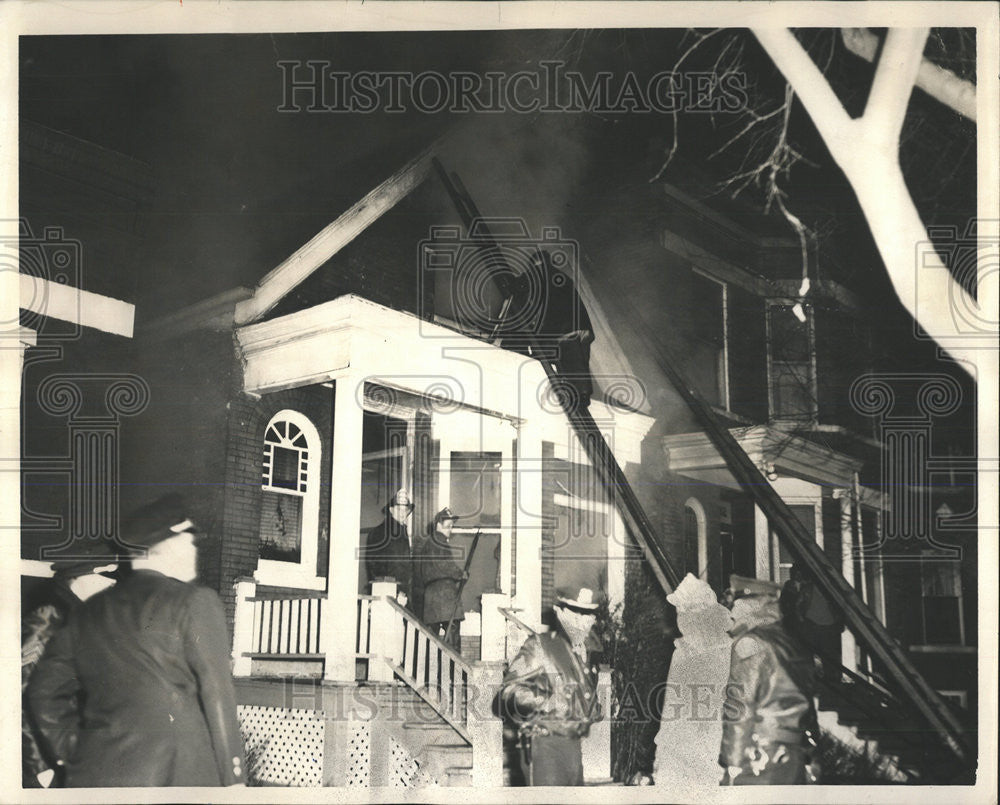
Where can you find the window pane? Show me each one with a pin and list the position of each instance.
(579, 549)
(475, 488)
(284, 468)
(791, 388)
(707, 310)
(380, 478)
(940, 579)
(941, 623)
(789, 336)
(280, 527)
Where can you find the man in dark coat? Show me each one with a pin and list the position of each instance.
(441, 579)
(45, 612)
(387, 553)
(545, 307)
(810, 616)
(565, 326)
(550, 693)
(768, 717)
(151, 659)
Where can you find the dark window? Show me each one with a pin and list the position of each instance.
(791, 368)
(691, 541)
(941, 590)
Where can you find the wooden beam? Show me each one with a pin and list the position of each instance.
(77, 306)
(332, 238)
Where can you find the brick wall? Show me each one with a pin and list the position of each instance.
(177, 444)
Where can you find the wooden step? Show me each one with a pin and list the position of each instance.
(458, 777)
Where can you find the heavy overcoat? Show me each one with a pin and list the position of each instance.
(440, 578)
(387, 554)
(550, 694)
(769, 711)
(150, 657)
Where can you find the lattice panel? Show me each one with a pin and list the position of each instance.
(404, 771)
(283, 746)
(359, 756)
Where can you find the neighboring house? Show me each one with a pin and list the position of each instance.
(81, 209)
(289, 414)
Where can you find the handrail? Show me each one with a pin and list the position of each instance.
(292, 596)
(444, 647)
(441, 681)
(508, 613)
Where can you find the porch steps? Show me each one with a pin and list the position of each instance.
(874, 715)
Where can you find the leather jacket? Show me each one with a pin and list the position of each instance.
(769, 698)
(547, 690)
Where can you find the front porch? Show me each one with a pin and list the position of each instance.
(414, 703)
(468, 425)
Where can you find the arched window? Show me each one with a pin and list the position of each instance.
(289, 515)
(695, 539)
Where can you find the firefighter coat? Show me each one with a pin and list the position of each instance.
(439, 576)
(769, 710)
(547, 690)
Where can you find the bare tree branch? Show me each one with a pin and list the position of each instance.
(811, 86)
(941, 84)
(893, 85)
(871, 165)
(699, 40)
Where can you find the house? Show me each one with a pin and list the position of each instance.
(289, 414)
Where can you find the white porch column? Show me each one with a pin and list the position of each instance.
(616, 561)
(243, 627)
(339, 628)
(485, 729)
(493, 640)
(387, 633)
(528, 563)
(761, 543)
(848, 646)
(596, 747)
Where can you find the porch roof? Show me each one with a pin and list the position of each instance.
(693, 454)
(353, 336)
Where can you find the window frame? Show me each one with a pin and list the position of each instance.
(701, 535)
(813, 389)
(722, 367)
(933, 557)
(302, 574)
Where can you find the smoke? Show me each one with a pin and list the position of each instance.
(529, 167)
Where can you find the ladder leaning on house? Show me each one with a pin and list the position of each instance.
(907, 680)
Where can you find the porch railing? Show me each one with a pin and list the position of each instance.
(288, 627)
(433, 670)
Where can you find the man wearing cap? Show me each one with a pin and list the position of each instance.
(550, 693)
(769, 716)
(387, 554)
(74, 580)
(151, 659)
(440, 578)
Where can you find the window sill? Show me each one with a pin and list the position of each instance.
(287, 574)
